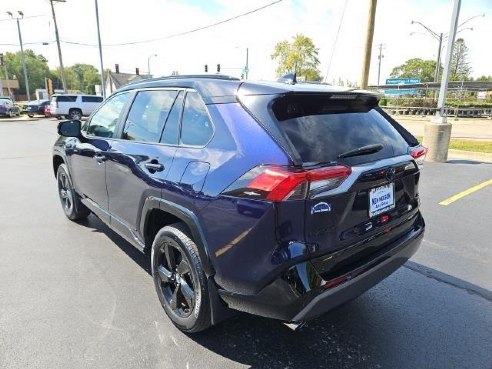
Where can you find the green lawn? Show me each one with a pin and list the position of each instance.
(468, 145)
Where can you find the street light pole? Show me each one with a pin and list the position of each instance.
(62, 70)
(148, 64)
(438, 64)
(23, 60)
(103, 89)
(437, 134)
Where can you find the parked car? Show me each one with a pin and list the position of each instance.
(35, 108)
(47, 111)
(281, 200)
(73, 106)
(8, 107)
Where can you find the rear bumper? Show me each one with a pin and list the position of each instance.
(302, 294)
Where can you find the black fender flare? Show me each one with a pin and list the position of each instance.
(191, 221)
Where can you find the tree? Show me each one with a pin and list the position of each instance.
(81, 77)
(299, 56)
(37, 69)
(459, 69)
(484, 79)
(416, 68)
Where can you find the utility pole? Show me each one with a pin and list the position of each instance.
(366, 62)
(103, 89)
(437, 133)
(380, 57)
(62, 70)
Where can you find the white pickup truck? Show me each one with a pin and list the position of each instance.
(74, 106)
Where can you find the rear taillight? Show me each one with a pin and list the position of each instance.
(418, 153)
(281, 183)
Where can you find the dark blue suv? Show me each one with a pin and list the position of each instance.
(281, 200)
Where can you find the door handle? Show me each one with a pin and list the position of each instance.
(100, 158)
(154, 167)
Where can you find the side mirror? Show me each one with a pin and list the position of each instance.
(70, 128)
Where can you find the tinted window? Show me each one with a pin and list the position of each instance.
(66, 98)
(321, 128)
(196, 128)
(92, 99)
(148, 115)
(103, 122)
(171, 129)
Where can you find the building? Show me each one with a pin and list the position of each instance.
(5, 84)
(115, 80)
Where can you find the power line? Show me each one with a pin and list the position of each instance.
(180, 33)
(26, 17)
(154, 39)
(336, 39)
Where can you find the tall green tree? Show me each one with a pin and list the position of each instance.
(415, 68)
(484, 79)
(37, 69)
(298, 56)
(81, 77)
(460, 68)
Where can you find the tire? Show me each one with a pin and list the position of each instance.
(179, 280)
(11, 114)
(70, 201)
(30, 115)
(75, 114)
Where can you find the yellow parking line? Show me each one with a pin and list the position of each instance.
(464, 193)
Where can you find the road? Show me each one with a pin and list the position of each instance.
(78, 296)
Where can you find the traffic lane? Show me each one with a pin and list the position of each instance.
(457, 239)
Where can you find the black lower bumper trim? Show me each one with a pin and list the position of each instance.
(302, 294)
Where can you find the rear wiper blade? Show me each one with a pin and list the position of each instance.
(319, 163)
(364, 150)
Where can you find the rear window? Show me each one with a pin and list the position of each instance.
(321, 127)
(92, 99)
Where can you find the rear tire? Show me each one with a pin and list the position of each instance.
(179, 280)
(70, 201)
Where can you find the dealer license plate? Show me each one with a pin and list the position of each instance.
(381, 199)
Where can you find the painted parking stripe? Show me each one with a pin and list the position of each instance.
(464, 193)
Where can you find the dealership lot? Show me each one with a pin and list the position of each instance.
(77, 295)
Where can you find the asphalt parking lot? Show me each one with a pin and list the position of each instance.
(78, 296)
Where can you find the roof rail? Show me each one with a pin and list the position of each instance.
(188, 76)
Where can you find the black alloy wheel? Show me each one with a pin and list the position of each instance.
(177, 285)
(179, 280)
(70, 201)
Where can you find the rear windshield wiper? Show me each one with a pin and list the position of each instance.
(364, 150)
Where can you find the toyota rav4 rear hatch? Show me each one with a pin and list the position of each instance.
(363, 190)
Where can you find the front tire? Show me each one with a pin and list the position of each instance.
(179, 280)
(75, 114)
(70, 201)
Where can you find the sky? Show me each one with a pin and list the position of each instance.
(227, 43)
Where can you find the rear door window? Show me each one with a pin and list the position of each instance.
(320, 128)
(148, 114)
